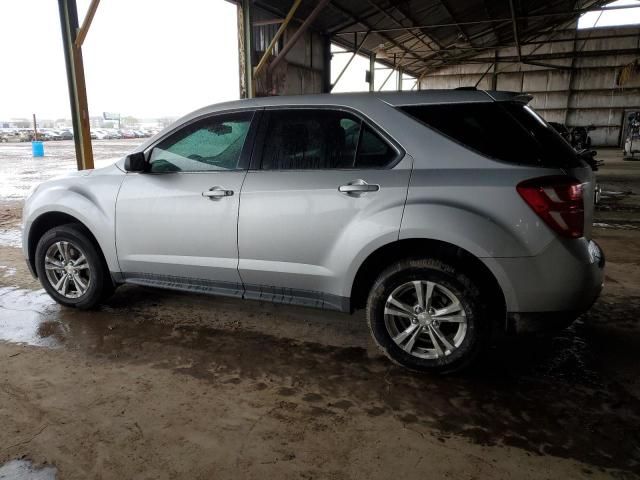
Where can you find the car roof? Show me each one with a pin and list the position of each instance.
(423, 97)
(393, 98)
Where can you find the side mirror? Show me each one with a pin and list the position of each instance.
(135, 162)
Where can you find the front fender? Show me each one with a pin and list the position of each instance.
(91, 200)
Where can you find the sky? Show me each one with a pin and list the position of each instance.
(153, 58)
(604, 18)
(144, 58)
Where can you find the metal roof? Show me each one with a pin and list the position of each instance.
(421, 36)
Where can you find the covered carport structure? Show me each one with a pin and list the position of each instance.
(578, 77)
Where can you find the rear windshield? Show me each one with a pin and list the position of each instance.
(506, 131)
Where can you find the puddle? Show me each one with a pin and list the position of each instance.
(11, 238)
(28, 317)
(25, 470)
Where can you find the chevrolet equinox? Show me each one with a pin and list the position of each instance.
(450, 216)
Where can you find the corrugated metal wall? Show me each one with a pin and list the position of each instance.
(303, 67)
(586, 95)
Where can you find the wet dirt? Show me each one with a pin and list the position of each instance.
(21, 171)
(552, 396)
(619, 208)
(157, 384)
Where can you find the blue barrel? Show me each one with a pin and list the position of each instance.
(37, 148)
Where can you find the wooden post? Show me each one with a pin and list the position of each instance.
(76, 83)
(245, 49)
(35, 128)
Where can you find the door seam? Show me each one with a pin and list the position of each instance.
(406, 197)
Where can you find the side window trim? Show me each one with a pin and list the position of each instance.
(247, 148)
(256, 157)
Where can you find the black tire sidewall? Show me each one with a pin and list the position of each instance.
(447, 276)
(73, 234)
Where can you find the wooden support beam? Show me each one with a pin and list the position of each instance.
(301, 29)
(276, 37)
(76, 82)
(86, 23)
(245, 49)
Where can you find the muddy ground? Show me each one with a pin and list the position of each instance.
(156, 384)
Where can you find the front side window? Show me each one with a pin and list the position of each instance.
(305, 139)
(211, 144)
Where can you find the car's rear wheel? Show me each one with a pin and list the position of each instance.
(70, 267)
(426, 315)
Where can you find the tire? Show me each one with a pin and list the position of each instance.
(467, 329)
(64, 244)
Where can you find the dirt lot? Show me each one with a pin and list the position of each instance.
(158, 385)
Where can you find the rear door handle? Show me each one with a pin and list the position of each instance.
(217, 192)
(358, 187)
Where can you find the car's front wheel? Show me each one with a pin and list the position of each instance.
(426, 315)
(70, 267)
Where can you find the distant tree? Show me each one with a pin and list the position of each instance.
(129, 121)
(166, 121)
(22, 123)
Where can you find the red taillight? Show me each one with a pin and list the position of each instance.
(558, 201)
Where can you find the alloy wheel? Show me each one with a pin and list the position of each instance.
(425, 319)
(67, 269)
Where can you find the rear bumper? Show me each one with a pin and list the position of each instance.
(550, 290)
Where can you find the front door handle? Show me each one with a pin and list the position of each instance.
(358, 187)
(217, 192)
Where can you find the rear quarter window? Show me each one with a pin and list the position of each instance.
(506, 131)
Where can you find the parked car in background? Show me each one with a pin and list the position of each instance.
(450, 216)
(10, 135)
(26, 135)
(49, 134)
(99, 135)
(127, 134)
(65, 134)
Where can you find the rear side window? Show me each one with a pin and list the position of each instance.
(307, 139)
(373, 151)
(510, 132)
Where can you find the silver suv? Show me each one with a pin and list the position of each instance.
(451, 216)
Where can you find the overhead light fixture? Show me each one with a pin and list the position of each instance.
(380, 51)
